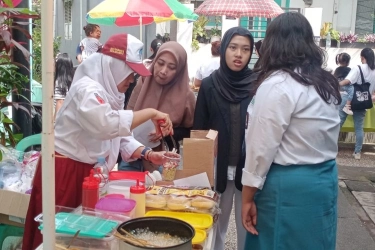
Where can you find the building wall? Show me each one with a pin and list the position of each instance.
(341, 13)
(79, 20)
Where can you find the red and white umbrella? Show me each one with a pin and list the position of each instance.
(240, 8)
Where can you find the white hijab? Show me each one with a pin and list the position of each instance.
(108, 72)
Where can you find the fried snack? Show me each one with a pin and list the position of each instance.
(155, 201)
(178, 203)
(202, 203)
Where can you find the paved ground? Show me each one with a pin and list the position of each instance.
(356, 202)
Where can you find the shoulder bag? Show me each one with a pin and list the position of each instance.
(361, 97)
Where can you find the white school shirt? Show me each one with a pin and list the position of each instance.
(87, 127)
(208, 67)
(354, 76)
(288, 124)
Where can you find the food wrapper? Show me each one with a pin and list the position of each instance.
(190, 199)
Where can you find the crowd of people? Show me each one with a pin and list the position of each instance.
(278, 125)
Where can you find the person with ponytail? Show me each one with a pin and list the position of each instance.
(347, 91)
(354, 76)
(290, 182)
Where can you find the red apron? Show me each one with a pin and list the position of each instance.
(69, 175)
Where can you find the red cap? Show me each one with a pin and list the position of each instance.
(126, 48)
(137, 189)
(90, 182)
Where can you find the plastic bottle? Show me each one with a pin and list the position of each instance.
(138, 193)
(102, 172)
(90, 191)
(328, 41)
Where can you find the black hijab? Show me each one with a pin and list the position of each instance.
(234, 86)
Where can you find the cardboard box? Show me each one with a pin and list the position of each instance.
(199, 155)
(12, 220)
(14, 203)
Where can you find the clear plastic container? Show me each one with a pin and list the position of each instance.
(84, 243)
(170, 164)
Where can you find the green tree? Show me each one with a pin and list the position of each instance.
(37, 45)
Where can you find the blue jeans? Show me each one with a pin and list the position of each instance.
(358, 118)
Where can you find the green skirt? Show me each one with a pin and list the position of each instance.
(297, 209)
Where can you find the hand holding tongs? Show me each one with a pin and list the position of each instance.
(162, 137)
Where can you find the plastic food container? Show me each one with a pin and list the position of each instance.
(127, 175)
(91, 223)
(84, 243)
(120, 206)
(120, 187)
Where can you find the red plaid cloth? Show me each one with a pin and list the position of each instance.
(239, 8)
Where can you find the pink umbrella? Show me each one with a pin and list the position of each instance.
(239, 8)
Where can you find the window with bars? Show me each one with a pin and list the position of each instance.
(68, 19)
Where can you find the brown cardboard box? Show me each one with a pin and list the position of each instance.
(14, 203)
(199, 154)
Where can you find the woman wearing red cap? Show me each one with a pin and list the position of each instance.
(92, 123)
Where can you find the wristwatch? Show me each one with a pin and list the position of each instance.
(144, 151)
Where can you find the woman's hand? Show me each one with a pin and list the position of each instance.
(156, 157)
(249, 216)
(162, 119)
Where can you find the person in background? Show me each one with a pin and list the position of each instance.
(221, 105)
(91, 43)
(167, 89)
(290, 182)
(64, 72)
(354, 76)
(92, 123)
(79, 54)
(257, 46)
(155, 45)
(343, 60)
(209, 65)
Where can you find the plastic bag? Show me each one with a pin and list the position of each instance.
(191, 199)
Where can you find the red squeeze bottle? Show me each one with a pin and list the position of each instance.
(90, 191)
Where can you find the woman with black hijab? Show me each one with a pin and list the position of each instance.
(221, 105)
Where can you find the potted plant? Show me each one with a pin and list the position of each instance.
(354, 41)
(215, 32)
(11, 81)
(324, 31)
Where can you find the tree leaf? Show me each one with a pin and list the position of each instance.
(7, 120)
(6, 36)
(8, 3)
(25, 52)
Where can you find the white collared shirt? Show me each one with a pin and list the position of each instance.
(87, 127)
(289, 124)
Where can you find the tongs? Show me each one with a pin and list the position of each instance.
(162, 137)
